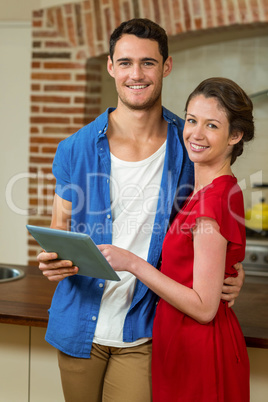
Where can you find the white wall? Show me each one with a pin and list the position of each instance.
(21, 10)
(15, 44)
(52, 3)
(15, 50)
(17, 10)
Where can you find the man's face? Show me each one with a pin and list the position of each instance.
(138, 71)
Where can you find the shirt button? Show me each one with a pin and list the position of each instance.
(108, 216)
(99, 131)
(101, 285)
(94, 318)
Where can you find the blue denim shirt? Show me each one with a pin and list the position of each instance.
(82, 169)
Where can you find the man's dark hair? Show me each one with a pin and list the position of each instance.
(142, 28)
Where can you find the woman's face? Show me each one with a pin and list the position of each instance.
(206, 132)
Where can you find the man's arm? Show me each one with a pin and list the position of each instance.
(53, 269)
(232, 286)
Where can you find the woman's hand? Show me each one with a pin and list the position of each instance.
(118, 258)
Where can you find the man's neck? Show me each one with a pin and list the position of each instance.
(140, 123)
(136, 134)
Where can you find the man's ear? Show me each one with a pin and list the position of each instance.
(167, 66)
(110, 67)
(235, 137)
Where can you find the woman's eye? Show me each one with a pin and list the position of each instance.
(212, 125)
(191, 121)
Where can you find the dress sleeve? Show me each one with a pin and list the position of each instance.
(230, 218)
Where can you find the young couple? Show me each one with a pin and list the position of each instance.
(129, 172)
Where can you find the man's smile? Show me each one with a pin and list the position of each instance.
(137, 86)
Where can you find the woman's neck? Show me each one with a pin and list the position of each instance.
(204, 175)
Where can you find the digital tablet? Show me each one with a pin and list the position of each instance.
(76, 247)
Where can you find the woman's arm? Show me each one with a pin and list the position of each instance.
(202, 301)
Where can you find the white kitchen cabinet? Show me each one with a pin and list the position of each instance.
(14, 363)
(28, 366)
(45, 383)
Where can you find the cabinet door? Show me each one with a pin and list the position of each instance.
(45, 382)
(258, 359)
(14, 363)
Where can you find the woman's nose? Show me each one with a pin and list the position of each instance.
(198, 132)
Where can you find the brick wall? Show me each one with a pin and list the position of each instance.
(66, 74)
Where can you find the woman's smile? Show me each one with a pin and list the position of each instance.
(197, 147)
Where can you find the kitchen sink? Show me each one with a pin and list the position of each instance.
(8, 274)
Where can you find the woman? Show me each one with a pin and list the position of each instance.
(199, 352)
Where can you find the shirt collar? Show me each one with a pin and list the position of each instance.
(103, 119)
(102, 122)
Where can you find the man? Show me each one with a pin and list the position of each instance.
(117, 180)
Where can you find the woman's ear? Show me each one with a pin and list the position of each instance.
(235, 137)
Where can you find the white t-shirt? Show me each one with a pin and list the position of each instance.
(134, 196)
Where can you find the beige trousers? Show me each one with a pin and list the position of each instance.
(110, 375)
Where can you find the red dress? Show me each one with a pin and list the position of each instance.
(192, 362)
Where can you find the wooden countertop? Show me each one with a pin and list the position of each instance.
(26, 301)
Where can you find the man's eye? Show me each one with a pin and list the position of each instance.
(148, 63)
(124, 63)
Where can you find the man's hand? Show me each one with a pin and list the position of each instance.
(55, 270)
(232, 286)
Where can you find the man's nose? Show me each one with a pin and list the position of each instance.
(137, 72)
